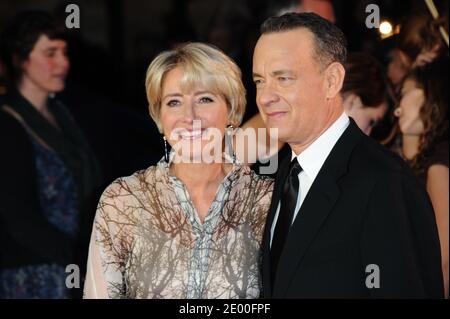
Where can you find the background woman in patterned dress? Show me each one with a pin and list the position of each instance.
(48, 172)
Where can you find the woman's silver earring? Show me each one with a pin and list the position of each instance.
(166, 152)
(229, 142)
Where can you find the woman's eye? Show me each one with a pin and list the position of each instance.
(173, 103)
(205, 99)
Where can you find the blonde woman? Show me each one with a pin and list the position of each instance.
(188, 227)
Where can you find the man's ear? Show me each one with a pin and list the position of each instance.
(334, 79)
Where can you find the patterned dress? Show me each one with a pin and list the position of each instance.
(59, 204)
(148, 242)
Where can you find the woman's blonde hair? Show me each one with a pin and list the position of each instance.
(203, 65)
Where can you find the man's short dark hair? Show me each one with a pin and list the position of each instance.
(330, 42)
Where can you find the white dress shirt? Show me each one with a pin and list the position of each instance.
(311, 160)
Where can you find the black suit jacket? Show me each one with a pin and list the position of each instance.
(364, 208)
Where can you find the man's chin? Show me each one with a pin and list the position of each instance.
(277, 127)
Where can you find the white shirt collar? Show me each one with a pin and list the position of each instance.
(313, 157)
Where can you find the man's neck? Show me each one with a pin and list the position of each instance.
(298, 148)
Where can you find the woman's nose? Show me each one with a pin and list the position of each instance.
(189, 113)
(63, 61)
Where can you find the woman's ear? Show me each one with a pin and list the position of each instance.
(348, 101)
(352, 103)
(334, 76)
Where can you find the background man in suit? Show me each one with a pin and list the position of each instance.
(348, 219)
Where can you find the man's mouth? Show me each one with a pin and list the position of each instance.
(276, 114)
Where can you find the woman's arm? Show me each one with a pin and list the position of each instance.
(95, 286)
(110, 244)
(438, 189)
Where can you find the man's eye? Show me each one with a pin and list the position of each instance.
(283, 78)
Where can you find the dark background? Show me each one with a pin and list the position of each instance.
(118, 39)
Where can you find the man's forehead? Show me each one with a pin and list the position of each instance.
(292, 37)
(297, 41)
(282, 48)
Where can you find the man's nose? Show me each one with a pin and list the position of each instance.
(267, 95)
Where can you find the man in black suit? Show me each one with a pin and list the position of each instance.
(348, 219)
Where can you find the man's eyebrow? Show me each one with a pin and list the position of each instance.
(256, 75)
(282, 72)
(275, 73)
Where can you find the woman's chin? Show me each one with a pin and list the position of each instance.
(198, 157)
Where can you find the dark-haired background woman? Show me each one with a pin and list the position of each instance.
(423, 122)
(49, 175)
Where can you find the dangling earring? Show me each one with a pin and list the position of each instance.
(166, 152)
(229, 142)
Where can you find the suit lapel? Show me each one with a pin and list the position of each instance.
(317, 205)
(319, 202)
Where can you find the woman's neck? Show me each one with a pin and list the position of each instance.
(36, 96)
(200, 176)
(410, 146)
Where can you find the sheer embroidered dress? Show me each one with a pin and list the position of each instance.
(148, 242)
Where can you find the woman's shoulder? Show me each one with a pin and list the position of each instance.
(14, 142)
(257, 186)
(439, 156)
(246, 175)
(135, 183)
(10, 128)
